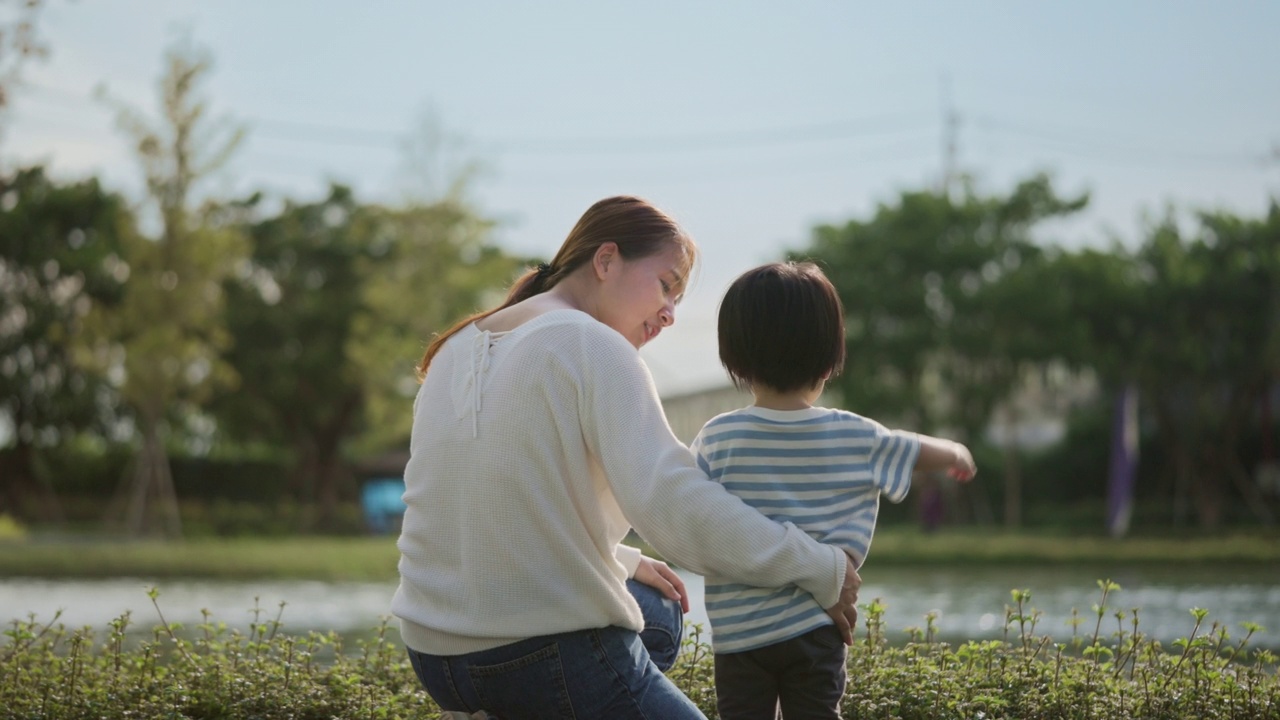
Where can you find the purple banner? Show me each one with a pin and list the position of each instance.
(1124, 462)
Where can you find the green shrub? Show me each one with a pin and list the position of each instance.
(11, 529)
(48, 671)
(1093, 674)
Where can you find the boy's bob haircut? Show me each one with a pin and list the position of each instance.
(781, 325)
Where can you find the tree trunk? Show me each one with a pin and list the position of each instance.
(24, 494)
(1177, 458)
(331, 474)
(1012, 470)
(329, 467)
(1012, 488)
(1207, 489)
(150, 503)
(1233, 464)
(305, 472)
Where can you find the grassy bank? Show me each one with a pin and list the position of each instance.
(312, 558)
(326, 558)
(904, 547)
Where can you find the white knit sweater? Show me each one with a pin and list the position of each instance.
(533, 453)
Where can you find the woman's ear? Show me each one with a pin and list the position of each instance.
(606, 257)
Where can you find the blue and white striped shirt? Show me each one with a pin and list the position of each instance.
(822, 470)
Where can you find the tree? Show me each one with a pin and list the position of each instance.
(19, 43)
(943, 316)
(437, 165)
(1194, 323)
(1207, 349)
(434, 263)
(60, 251)
(168, 327)
(290, 310)
(329, 317)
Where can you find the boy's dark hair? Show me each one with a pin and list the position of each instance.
(782, 326)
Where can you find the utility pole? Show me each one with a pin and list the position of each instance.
(950, 136)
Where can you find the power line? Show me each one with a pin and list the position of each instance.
(618, 145)
(850, 128)
(323, 134)
(721, 140)
(1075, 141)
(1072, 141)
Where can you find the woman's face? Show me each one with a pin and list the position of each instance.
(639, 296)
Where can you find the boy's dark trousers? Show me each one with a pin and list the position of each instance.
(804, 676)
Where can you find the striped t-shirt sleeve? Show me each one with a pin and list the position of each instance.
(892, 459)
(696, 448)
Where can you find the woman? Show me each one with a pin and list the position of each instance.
(538, 442)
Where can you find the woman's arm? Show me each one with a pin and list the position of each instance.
(659, 488)
(629, 557)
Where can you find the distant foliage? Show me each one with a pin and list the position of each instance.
(962, 317)
(60, 261)
(49, 671)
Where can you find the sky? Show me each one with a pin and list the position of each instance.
(750, 122)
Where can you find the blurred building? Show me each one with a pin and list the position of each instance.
(687, 412)
(1035, 417)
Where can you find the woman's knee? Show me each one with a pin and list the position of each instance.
(663, 624)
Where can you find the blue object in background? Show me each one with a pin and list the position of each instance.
(383, 504)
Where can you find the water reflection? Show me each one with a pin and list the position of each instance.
(309, 605)
(969, 602)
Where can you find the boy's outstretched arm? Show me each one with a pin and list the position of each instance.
(938, 454)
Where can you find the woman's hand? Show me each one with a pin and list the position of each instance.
(657, 575)
(845, 611)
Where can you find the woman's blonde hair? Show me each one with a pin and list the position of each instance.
(638, 229)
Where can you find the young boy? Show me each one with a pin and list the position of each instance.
(781, 332)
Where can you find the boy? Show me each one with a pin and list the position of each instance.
(781, 333)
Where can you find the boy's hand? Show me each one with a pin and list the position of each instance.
(659, 576)
(962, 467)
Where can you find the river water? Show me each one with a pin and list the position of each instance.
(969, 601)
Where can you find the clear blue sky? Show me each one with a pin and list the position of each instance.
(749, 121)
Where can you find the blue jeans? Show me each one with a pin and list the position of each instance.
(603, 673)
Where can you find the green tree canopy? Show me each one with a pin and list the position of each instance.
(290, 311)
(435, 264)
(60, 247)
(329, 317)
(939, 291)
(945, 310)
(1193, 321)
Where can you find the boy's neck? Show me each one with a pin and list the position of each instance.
(771, 399)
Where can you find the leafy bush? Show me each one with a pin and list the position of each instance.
(1094, 674)
(11, 529)
(48, 671)
(283, 518)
